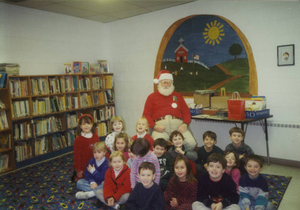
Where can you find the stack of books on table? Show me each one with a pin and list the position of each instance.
(10, 68)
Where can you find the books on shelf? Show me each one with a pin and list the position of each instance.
(10, 68)
(109, 96)
(85, 100)
(77, 67)
(41, 146)
(99, 115)
(3, 78)
(71, 137)
(85, 68)
(109, 112)
(58, 141)
(101, 129)
(97, 83)
(23, 150)
(84, 83)
(2, 105)
(5, 141)
(22, 130)
(95, 68)
(42, 126)
(39, 86)
(41, 106)
(3, 120)
(68, 68)
(18, 88)
(20, 108)
(72, 120)
(103, 66)
(109, 81)
(4, 160)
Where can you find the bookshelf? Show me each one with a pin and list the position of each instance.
(45, 109)
(7, 160)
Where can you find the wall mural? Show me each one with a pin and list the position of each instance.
(205, 52)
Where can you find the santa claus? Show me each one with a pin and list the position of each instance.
(166, 111)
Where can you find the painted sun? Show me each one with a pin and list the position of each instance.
(213, 33)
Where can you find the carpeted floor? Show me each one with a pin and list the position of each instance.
(47, 186)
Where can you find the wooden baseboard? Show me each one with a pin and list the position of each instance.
(284, 162)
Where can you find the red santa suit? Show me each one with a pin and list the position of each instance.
(170, 111)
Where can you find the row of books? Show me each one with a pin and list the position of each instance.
(109, 81)
(39, 86)
(103, 114)
(4, 160)
(72, 120)
(58, 141)
(41, 145)
(85, 100)
(84, 83)
(3, 79)
(22, 130)
(72, 102)
(18, 87)
(58, 103)
(103, 97)
(44, 126)
(41, 106)
(101, 129)
(80, 67)
(20, 108)
(5, 141)
(3, 120)
(71, 83)
(57, 85)
(71, 137)
(2, 105)
(23, 151)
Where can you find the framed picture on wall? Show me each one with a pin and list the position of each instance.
(286, 55)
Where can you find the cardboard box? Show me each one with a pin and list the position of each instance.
(219, 102)
(203, 99)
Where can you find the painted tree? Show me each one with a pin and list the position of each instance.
(235, 49)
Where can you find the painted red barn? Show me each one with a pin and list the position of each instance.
(181, 52)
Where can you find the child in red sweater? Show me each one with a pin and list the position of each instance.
(83, 145)
(116, 188)
(142, 129)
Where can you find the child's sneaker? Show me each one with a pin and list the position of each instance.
(82, 195)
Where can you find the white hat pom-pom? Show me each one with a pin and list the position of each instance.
(156, 81)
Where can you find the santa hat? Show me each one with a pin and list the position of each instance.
(163, 74)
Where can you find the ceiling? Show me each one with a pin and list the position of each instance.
(99, 10)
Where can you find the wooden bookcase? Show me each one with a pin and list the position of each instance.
(7, 151)
(45, 110)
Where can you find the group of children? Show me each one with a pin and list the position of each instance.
(140, 173)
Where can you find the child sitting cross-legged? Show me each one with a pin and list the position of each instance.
(253, 187)
(165, 162)
(116, 188)
(147, 194)
(232, 167)
(177, 140)
(209, 147)
(94, 173)
(237, 136)
(141, 149)
(216, 189)
(181, 191)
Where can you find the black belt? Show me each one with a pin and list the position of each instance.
(163, 118)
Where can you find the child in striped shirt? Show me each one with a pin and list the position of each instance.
(141, 149)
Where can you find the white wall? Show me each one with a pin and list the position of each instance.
(41, 42)
(135, 42)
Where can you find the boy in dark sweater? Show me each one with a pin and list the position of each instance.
(209, 147)
(166, 165)
(146, 195)
(253, 187)
(216, 189)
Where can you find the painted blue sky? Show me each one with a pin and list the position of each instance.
(192, 32)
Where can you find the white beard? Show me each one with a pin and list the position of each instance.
(165, 91)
